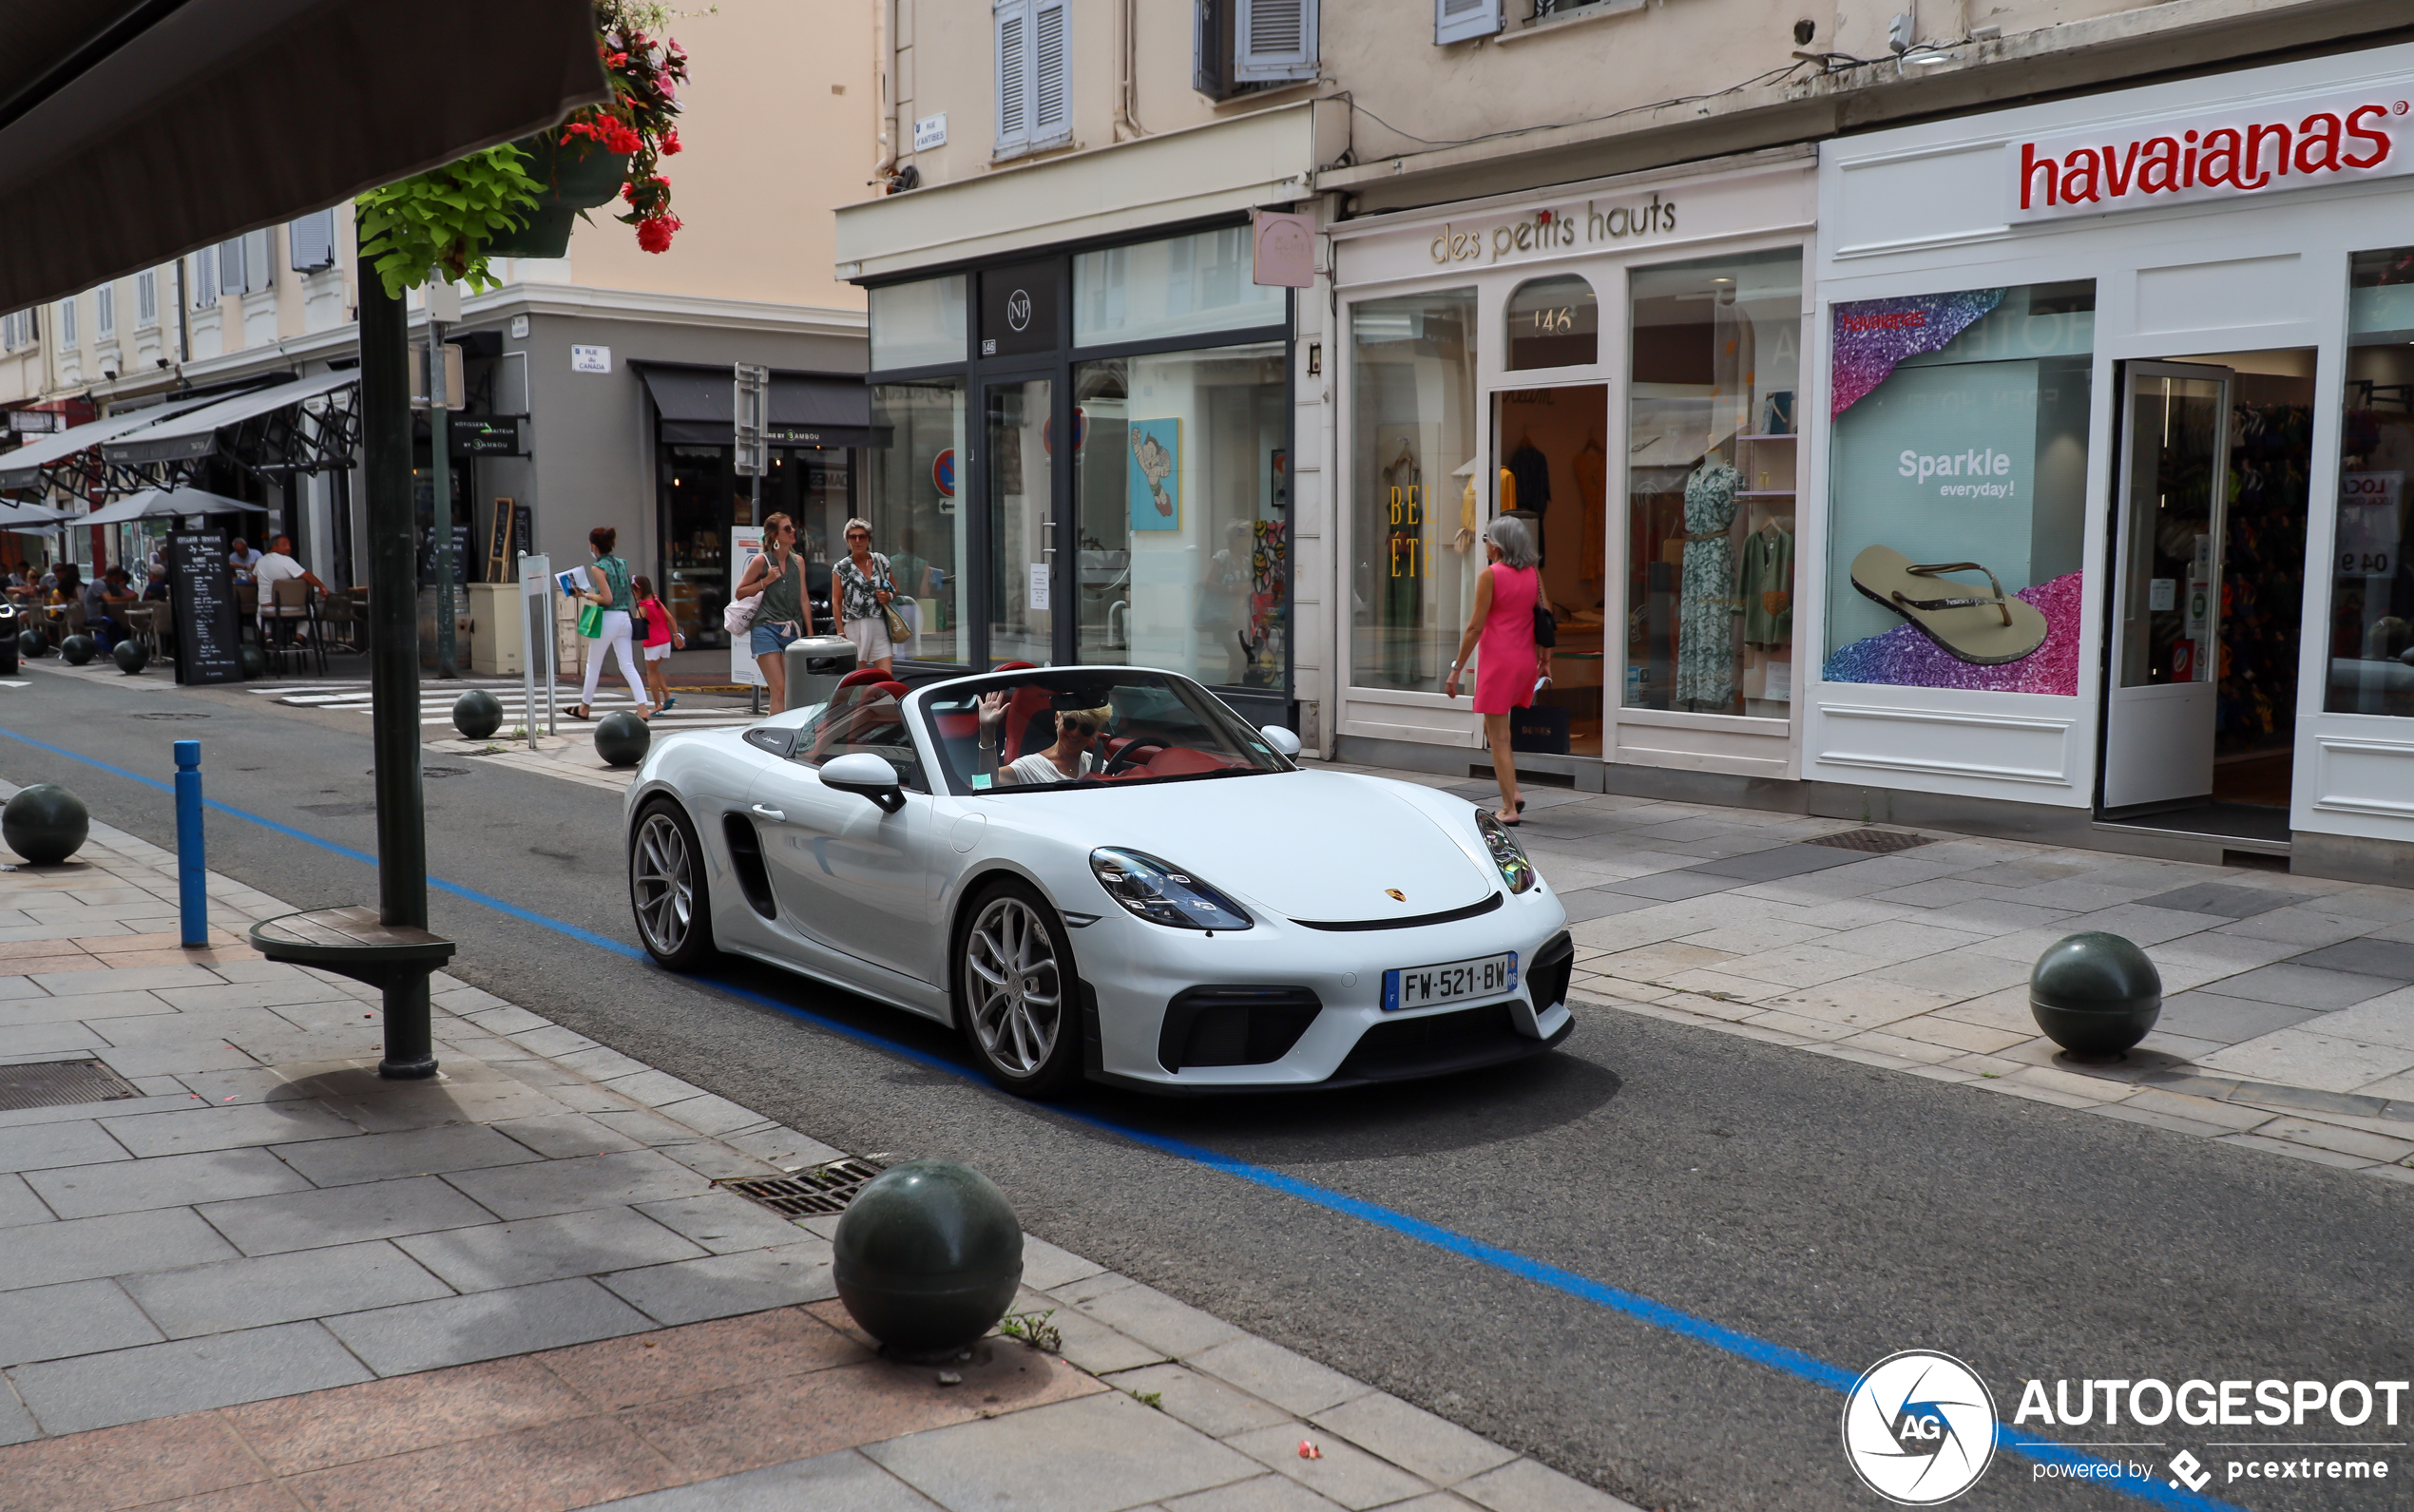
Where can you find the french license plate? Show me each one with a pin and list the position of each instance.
(1425, 987)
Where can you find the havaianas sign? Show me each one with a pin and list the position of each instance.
(2243, 148)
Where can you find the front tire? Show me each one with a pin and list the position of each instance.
(1016, 992)
(666, 888)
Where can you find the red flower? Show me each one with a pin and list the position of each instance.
(655, 235)
(619, 137)
(670, 142)
(615, 60)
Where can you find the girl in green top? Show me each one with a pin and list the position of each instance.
(612, 590)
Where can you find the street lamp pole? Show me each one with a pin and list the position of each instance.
(444, 306)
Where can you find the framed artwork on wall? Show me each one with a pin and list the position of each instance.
(1155, 490)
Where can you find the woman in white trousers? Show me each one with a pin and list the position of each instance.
(612, 590)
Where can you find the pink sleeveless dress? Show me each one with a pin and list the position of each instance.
(1506, 663)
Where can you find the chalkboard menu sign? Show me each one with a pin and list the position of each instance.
(209, 648)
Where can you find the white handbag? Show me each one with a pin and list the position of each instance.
(739, 617)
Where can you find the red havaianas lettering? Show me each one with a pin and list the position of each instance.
(2117, 179)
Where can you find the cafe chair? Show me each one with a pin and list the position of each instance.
(293, 613)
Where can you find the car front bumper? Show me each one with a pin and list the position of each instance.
(1133, 971)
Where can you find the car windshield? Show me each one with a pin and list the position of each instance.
(1022, 732)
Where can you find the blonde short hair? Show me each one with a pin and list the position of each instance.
(1092, 720)
(853, 526)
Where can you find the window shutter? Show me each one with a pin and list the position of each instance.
(230, 266)
(1276, 40)
(204, 277)
(311, 241)
(104, 311)
(1457, 20)
(146, 298)
(1051, 73)
(259, 268)
(66, 323)
(1014, 76)
(1211, 49)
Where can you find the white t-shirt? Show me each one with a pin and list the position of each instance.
(1037, 768)
(270, 569)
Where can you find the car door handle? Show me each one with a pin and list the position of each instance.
(775, 816)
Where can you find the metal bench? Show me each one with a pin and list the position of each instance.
(396, 959)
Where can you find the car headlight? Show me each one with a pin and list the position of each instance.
(1506, 853)
(1152, 890)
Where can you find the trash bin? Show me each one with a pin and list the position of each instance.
(816, 663)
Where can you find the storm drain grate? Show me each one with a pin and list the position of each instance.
(1875, 842)
(60, 1083)
(817, 1193)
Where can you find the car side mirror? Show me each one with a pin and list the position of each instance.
(866, 776)
(1280, 739)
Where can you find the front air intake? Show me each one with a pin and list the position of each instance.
(1234, 1026)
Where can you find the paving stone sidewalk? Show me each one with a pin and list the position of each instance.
(2288, 1020)
(264, 1279)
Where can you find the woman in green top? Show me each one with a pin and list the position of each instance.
(610, 576)
(779, 575)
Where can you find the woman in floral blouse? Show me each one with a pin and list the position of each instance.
(861, 580)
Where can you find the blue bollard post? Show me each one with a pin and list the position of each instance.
(192, 868)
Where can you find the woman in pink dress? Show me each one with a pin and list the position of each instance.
(1501, 632)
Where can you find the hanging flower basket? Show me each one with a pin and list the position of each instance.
(579, 176)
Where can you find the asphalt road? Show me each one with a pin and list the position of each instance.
(1838, 1210)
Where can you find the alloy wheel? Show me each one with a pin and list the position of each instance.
(1016, 988)
(662, 876)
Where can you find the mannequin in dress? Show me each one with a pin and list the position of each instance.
(1706, 605)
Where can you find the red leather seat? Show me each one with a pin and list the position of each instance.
(1030, 702)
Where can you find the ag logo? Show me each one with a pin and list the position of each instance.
(1018, 310)
(1919, 1427)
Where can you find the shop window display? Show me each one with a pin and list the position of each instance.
(1710, 437)
(1184, 478)
(2372, 589)
(700, 500)
(911, 486)
(1957, 489)
(1416, 508)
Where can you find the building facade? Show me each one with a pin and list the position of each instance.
(583, 370)
(1636, 304)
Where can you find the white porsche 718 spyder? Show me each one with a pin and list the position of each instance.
(1104, 873)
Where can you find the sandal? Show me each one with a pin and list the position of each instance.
(1508, 820)
(582, 712)
(1985, 630)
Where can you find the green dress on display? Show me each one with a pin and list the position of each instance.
(1706, 605)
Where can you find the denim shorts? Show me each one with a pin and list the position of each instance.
(769, 639)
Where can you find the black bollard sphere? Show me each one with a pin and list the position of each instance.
(622, 738)
(927, 1258)
(2095, 994)
(44, 823)
(78, 649)
(477, 714)
(254, 662)
(32, 642)
(130, 656)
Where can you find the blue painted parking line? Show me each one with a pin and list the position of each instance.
(2153, 1491)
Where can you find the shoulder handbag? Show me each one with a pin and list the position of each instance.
(1545, 625)
(899, 632)
(739, 617)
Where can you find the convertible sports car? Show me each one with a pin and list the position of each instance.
(1103, 873)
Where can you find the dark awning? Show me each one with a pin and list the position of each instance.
(21, 469)
(699, 407)
(197, 432)
(132, 131)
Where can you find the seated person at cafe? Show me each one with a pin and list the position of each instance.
(275, 567)
(155, 590)
(242, 559)
(103, 601)
(1067, 760)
